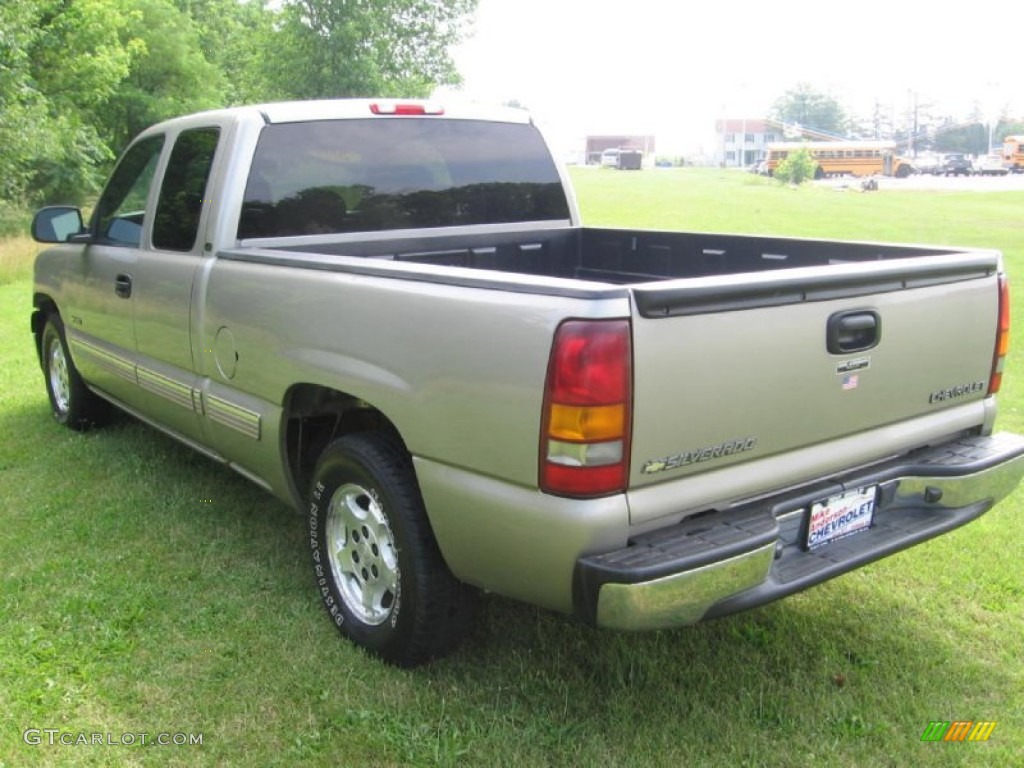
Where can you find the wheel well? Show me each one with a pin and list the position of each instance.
(314, 417)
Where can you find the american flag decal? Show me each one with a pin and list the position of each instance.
(851, 381)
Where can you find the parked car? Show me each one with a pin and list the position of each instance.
(610, 158)
(990, 165)
(928, 163)
(957, 164)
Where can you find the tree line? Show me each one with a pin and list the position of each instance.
(79, 78)
(812, 109)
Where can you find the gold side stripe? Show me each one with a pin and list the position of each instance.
(234, 416)
(222, 411)
(166, 387)
(110, 362)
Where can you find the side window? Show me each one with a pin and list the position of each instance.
(121, 210)
(183, 192)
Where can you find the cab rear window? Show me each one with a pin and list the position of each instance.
(370, 175)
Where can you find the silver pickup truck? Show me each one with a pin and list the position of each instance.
(389, 315)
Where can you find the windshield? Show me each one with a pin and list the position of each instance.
(370, 175)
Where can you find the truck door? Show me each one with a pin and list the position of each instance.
(99, 317)
(163, 281)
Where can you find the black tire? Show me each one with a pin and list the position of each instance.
(377, 565)
(71, 402)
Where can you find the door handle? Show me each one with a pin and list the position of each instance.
(854, 331)
(123, 286)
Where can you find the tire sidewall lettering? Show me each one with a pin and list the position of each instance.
(429, 608)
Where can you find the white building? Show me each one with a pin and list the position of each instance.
(742, 142)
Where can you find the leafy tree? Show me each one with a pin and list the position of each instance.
(334, 48)
(798, 167)
(971, 139)
(59, 61)
(22, 108)
(169, 74)
(235, 36)
(1011, 128)
(79, 78)
(79, 61)
(82, 55)
(811, 110)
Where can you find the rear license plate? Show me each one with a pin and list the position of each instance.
(841, 516)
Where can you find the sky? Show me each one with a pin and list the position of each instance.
(672, 68)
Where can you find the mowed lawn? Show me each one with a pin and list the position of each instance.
(146, 590)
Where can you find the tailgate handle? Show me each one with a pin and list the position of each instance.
(853, 331)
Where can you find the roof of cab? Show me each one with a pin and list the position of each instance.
(345, 109)
(334, 109)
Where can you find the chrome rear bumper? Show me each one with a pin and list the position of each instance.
(731, 560)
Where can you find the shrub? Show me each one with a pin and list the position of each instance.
(797, 168)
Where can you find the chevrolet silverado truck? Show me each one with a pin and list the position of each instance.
(389, 314)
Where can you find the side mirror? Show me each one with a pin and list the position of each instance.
(57, 224)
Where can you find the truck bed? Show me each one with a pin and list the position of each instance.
(750, 363)
(612, 256)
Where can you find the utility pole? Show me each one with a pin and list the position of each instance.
(912, 117)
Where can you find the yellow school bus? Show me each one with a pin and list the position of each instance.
(839, 158)
(1013, 153)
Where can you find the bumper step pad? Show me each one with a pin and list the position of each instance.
(920, 495)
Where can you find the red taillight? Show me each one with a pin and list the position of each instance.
(1002, 337)
(400, 108)
(588, 395)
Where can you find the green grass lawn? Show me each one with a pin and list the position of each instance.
(144, 589)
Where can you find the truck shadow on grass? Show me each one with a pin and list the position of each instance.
(824, 667)
(199, 579)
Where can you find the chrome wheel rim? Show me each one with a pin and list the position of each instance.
(59, 382)
(361, 551)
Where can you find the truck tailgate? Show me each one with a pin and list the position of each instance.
(734, 369)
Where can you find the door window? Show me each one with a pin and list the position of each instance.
(183, 191)
(121, 211)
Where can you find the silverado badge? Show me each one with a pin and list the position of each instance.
(699, 455)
